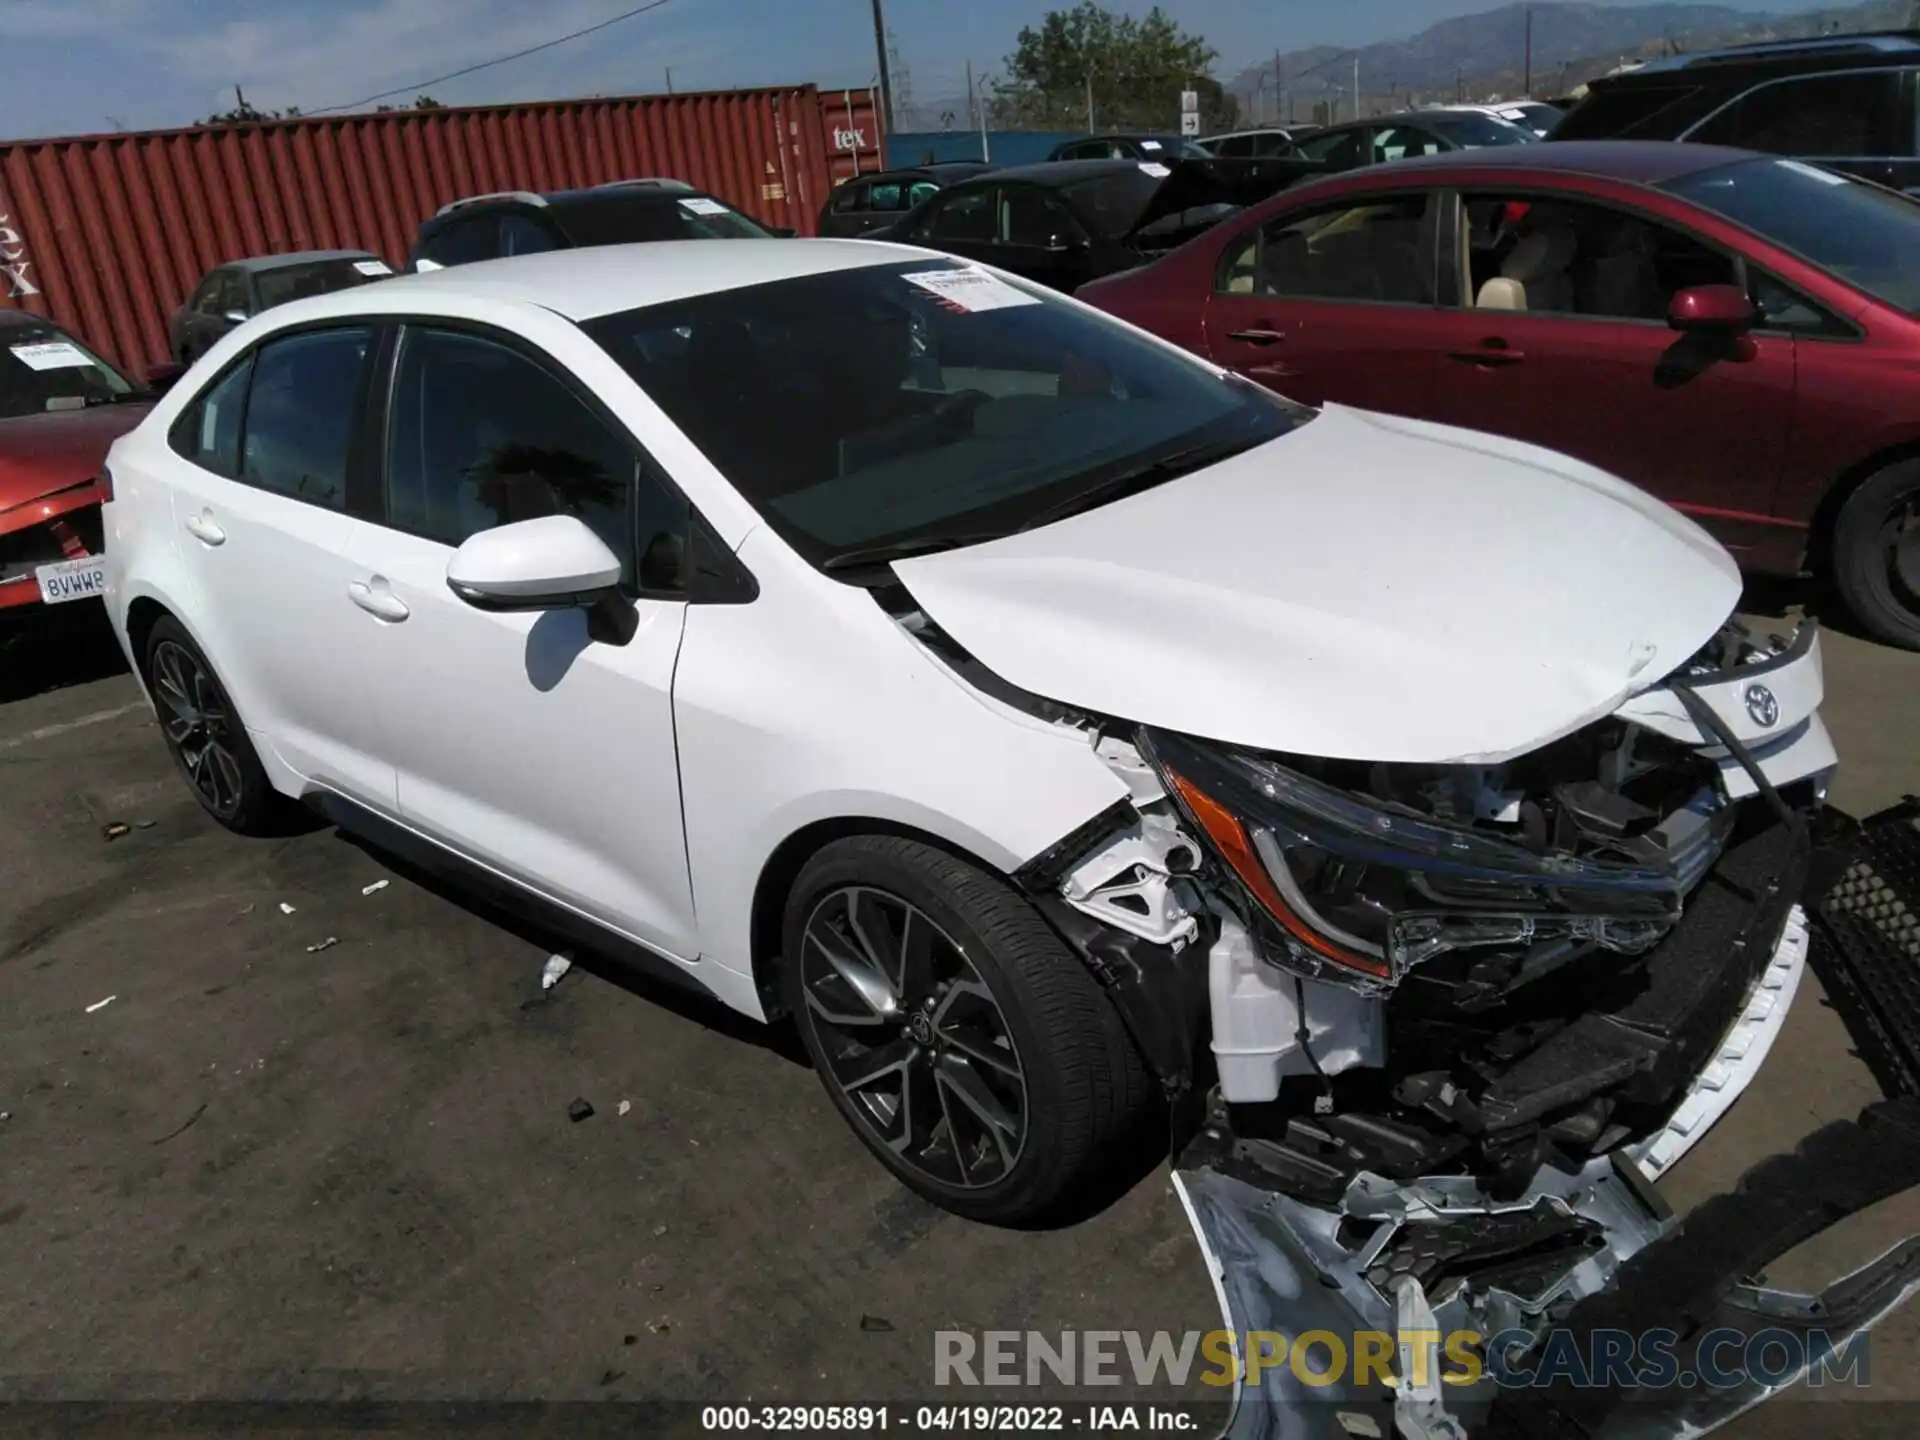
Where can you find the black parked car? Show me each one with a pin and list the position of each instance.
(1128, 147)
(1396, 137)
(237, 291)
(868, 203)
(1843, 101)
(1065, 222)
(519, 222)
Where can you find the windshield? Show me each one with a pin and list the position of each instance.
(903, 403)
(43, 368)
(623, 220)
(315, 277)
(1472, 131)
(1867, 236)
(1113, 203)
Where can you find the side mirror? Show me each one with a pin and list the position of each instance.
(553, 563)
(162, 378)
(1724, 308)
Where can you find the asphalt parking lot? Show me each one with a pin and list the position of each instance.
(262, 1172)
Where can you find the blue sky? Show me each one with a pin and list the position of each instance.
(70, 66)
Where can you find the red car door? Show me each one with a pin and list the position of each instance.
(1334, 303)
(1563, 341)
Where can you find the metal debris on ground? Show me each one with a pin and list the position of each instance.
(578, 1110)
(376, 885)
(659, 1327)
(658, 1231)
(114, 829)
(556, 966)
(143, 824)
(326, 944)
(875, 1324)
(285, 909)
(623, 1107)
(185, 1126)
(101, 1004)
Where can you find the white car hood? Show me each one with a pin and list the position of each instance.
(1365, 588)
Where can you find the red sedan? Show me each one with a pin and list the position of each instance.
(1738, 334)
(61, 407)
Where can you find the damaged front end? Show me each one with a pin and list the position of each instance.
(1461, 1015)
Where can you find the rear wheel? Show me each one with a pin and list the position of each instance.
(1876, 554)
(205, 735)
(966, 1045)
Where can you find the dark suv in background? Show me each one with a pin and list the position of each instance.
(1843, 101)
(519, 222)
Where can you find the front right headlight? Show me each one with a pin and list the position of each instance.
(1362, 892)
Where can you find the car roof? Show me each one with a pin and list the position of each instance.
(1862, 48)
(254, 264)
(1066, 172)
(1642, 162)
(582, 284)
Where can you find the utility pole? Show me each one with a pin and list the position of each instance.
(669, 79)
(1090, 125)
(1528, 72)
(886, 80)
(1282, 112)
(1356, 84)
(980, 114)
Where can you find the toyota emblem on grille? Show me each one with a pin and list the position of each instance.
(1761, 705)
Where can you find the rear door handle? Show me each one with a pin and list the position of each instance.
(1488, 354)
(374, 597)
(1257, 336)
(202, 528)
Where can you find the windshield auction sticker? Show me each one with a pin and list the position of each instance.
(51, 355)
(969, 290)
(373, 267)
(700, 205)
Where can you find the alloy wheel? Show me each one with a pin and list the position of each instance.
(1900, 535)
(913, 1037)
(199, 727)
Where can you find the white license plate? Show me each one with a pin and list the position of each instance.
(84, 579)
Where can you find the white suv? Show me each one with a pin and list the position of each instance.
(1043, 718)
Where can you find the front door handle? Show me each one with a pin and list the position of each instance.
(1256, 336)
(1490, 353)
(203, 529)
(376, 598)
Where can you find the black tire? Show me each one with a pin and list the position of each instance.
(1876, 554)
(1084, 1089)
(200, 725)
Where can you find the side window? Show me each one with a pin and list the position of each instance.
(1782, 307)
(301, 409)
(523, 235)
(1382, 250)
(1833, 115)
(232, 295)
(207, 432)
(967, 216)
(1397, 142)
(849, 199)
(462, 241)
(920, 192)
(481, 435)
(1571, 258)
(886, 195)
(1234, 147)
(1271, 144)
(203, 293)
(1340, 148)
(1033, 219)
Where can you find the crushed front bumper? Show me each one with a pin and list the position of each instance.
(1578, 1261)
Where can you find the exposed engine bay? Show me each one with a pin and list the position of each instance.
(1460, 1015)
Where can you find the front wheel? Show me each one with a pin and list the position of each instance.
(967, 1046)
(1876, 554)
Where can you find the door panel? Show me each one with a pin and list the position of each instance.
(518, 740)
(1591, 369)
(1334, 305)
(276, 617)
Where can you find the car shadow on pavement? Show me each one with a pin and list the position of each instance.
(607, 961)
(50, 650)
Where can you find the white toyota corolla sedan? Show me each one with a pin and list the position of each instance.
(1051, 724)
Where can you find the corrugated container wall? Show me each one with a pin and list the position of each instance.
(854, 132)
(108, 233)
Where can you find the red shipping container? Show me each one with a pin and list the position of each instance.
(856, 139)
(106, 234)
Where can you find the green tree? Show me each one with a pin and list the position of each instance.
(1136, 70)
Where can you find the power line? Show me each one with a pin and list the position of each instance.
(420, 85)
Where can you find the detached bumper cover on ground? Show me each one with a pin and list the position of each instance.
(1579, 1258)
